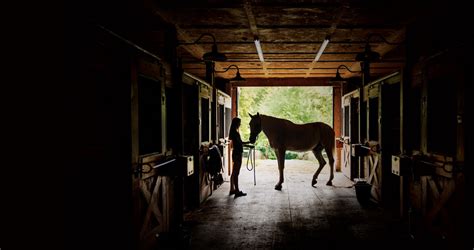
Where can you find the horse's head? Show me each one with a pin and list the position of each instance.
(255, 127)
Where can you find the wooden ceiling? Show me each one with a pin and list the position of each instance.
(290, 33)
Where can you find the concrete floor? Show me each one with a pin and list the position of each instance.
(298, 216)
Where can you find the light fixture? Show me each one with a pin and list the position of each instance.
(338, 75)
(368, 55)
(237, 76)
(322, 48)
(259, 48)
(214, 55)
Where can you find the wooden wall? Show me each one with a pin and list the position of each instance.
(106, 204)
(97, 192)
(439, 71)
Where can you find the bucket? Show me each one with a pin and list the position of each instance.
(363, 192)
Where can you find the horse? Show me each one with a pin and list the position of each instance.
(285, 135)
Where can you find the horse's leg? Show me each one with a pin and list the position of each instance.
(331, 164)
(281, 165)
(317, 152)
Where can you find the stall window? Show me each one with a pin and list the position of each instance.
(220, 119)
(414, 133)
(354, 131)
(391, 118)
(374, 119)
(149, 115)
(171, 118)
(204, 119)
(190, 118)
(441, 112)
(363, 121)
(346, 120)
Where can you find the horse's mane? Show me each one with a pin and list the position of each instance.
(278, 119)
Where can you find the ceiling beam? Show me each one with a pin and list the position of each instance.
(253, 27)
(256, 82)
(282, 42)
(292, 26)
(337, 18)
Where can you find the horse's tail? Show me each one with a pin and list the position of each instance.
(330, 140)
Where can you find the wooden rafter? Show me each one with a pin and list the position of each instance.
(291, 35)
(337, 19)
(253, 28)
(193, 49)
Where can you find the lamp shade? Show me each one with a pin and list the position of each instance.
(214, 55)
(338, 77)
(368, 55)
(238, 77)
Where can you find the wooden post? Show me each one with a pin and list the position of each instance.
(424, 186)
(337, 121)
(234, 101)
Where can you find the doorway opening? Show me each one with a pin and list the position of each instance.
(297, 104)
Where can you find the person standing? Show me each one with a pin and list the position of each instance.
(237, 150)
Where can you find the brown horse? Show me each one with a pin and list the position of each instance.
(285, 135)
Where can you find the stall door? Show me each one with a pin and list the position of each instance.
(205, 104)
(190, 130)
(383, 133)
(223, 125)
(197, 116)
(350, 134)
(390, 140)
(152, 192)
(372, 160)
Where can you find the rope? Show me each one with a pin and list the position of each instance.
(251, 156)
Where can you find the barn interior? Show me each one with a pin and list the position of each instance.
(154, 84)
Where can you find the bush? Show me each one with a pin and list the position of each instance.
(291, 155)
(268, 153)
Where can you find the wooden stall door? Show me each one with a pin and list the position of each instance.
(155, 201)
(392, 191)
(373, 159)
(346, 153)
(346, 158)
(350, 134)
(223, 126)
(151, 193)
(205, 115)
(383, 131)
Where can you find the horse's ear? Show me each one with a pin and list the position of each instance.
(251, 115)
(258, 114)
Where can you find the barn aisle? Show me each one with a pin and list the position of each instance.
(299, 216)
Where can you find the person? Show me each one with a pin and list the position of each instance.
(237, 151)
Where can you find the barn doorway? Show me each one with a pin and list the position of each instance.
(297, 104)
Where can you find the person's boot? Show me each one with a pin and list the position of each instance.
(240, 193)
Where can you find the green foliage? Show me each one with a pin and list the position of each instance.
(290, 155)
(297, 104)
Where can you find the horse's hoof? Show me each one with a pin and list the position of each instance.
(313, 182)
(329, 183)
(277, 187)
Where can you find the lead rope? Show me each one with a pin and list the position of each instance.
(251, 156)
